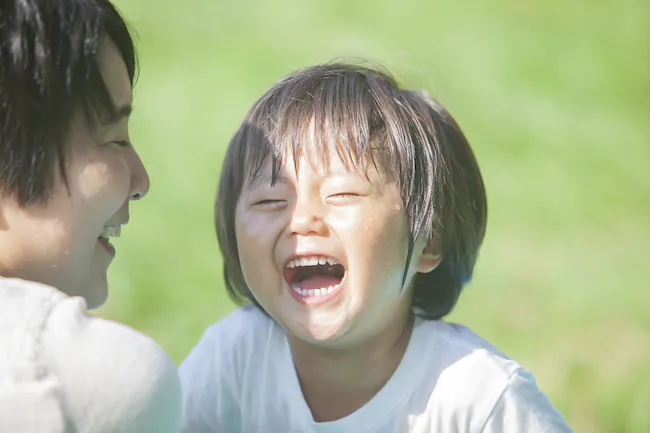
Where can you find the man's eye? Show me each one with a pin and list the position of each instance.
(123, 143)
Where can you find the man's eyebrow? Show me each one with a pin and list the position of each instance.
(119, 114)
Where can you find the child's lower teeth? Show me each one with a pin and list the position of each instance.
(314, 292)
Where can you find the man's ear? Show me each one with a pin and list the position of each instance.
(4, 199)
(431, 256)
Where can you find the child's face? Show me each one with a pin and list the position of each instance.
(324, 252)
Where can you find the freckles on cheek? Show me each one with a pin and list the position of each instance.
(388, 237)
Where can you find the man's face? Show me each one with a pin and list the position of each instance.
(63, 243)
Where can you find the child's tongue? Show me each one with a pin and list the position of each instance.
(314, 282)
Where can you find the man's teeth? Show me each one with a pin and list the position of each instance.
(314, 292)
(311, 261)
(111, 232)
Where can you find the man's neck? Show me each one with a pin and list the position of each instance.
(336, 383)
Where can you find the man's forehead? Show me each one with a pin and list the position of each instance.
(115, 74)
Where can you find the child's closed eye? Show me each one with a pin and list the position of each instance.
(343, 198)
(270, 203)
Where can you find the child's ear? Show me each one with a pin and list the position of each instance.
(431, 256)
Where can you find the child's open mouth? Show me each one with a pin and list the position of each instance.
(314, 279)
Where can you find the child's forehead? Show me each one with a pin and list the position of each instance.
(335, 138)
(325, 165)
(280, 166)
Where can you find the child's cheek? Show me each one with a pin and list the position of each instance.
(390, 234)
(249, 224)
(345, 221)
(256, 224)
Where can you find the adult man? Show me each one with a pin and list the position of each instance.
(67, 174)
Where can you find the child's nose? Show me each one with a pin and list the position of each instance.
(307, 219)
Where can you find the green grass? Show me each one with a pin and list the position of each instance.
(554, 99)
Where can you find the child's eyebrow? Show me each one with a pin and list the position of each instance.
(264, 179)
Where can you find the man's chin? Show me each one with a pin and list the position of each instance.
(96, 295)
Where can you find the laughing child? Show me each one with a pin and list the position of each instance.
(350, 214)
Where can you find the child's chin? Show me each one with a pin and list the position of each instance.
(320, 334)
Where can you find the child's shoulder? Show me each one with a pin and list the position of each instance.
(465, 374)
(463, 352)
(235, 337)
(483, 388)
(217, 365)
(243, 324)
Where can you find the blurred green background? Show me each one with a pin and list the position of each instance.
(553, 96)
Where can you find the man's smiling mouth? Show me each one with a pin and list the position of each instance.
(110, 231)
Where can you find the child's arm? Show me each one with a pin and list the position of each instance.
(522, 407)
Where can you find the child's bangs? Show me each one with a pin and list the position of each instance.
(328, 118)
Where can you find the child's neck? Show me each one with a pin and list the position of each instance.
(336, 383)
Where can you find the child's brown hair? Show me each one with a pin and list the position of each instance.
(362, 113)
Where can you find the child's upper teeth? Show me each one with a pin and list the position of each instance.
(311, 261)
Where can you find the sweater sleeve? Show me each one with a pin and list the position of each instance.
(113, 379)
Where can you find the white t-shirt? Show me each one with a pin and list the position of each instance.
(62, 370)
(241, 378)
